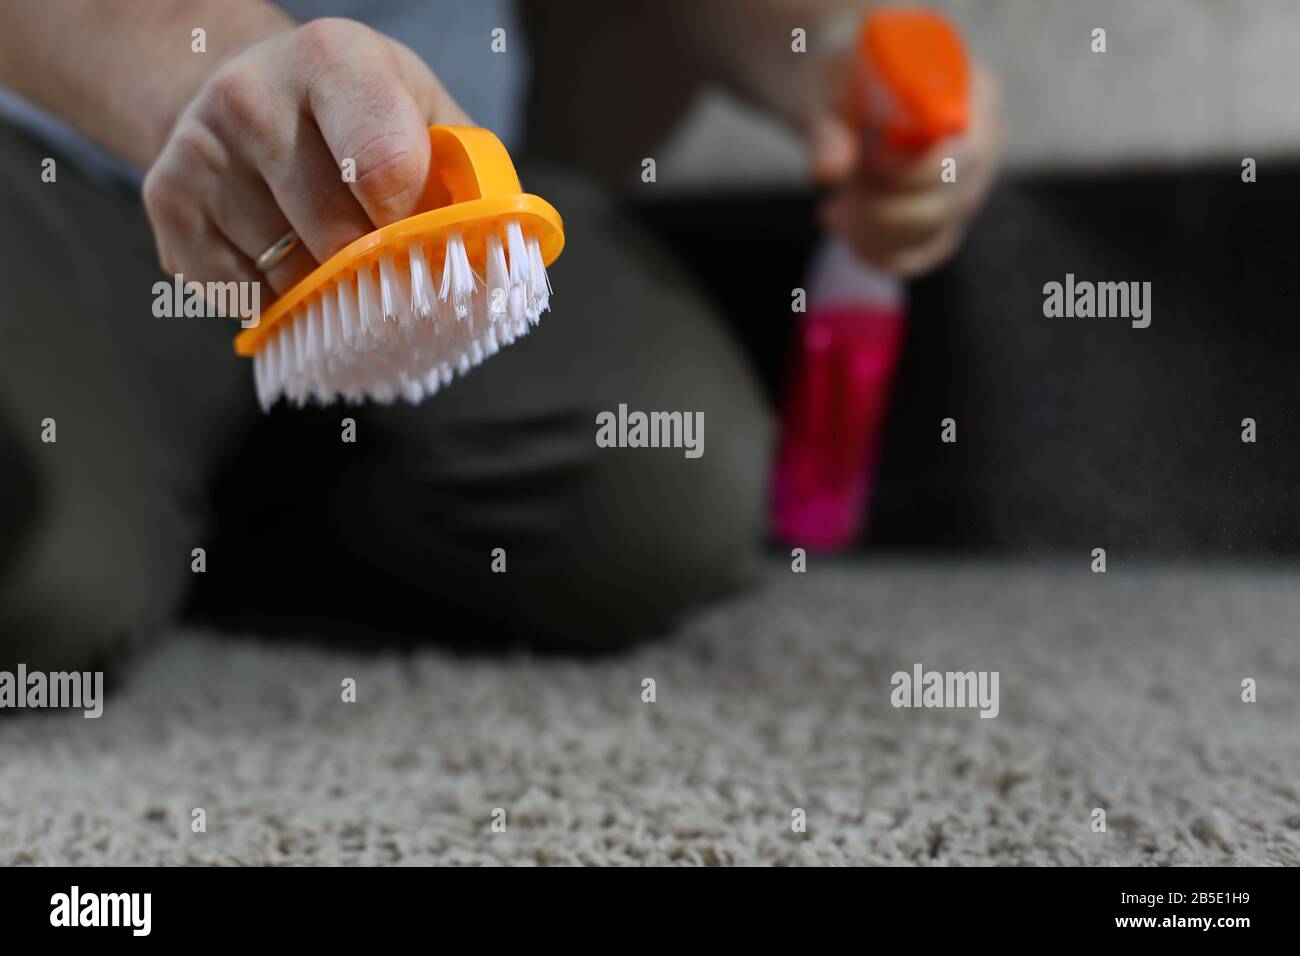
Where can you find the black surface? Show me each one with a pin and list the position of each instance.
(1073, 433)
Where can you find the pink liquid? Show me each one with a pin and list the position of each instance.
(833, 421)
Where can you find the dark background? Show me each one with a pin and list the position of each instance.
(1073, 433)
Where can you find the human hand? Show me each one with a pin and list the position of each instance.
(260, 150)
(893, 207)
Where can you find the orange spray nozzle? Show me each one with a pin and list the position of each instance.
(918, 76)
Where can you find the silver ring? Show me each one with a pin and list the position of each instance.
(277, 253)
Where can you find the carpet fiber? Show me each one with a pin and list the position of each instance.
(1119, 691)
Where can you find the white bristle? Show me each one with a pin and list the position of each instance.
(272, 367)
(406, 316)
(519, 270)
(260, 358)
(518, 253)
(412, 390)
(518, 305)
(347, 311)
(389, 290)
(299, 341)
(286, 353)
(457, 276)
(329, 323)
(498, 277)
(444, 283)
(313, 353)
(539, 286)
(422, 291)
(399, 328)
(368, 304)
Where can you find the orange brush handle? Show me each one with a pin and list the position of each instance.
(466, 162)
(918, 76)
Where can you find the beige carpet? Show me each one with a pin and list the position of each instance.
(1119, 691)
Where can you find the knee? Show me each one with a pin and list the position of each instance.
(600, 548)
(84, 588)
(663, 534)
(48, 622)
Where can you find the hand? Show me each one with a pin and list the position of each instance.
(260, 150)
(892, 207)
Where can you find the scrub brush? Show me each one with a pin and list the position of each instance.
(401, 311)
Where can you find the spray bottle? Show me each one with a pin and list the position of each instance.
(912, 75)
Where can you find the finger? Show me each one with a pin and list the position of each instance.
(832, 149)
(203, 255)
(295, 267)
(971, 156)
(889, 219)
(260, 167)
(222, 201)
(911, 262)
(247, 214)
(366, 114)
(990, 120)
(188, 242)
(888, 167)
(825, 115)
(974, 188)
(973, 169)
(987, 137)
(310, 192)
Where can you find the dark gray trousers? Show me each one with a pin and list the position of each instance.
(160, 450)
